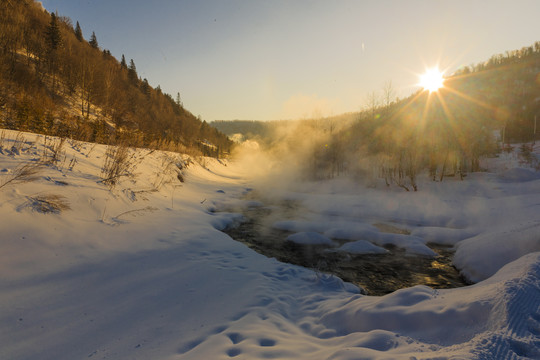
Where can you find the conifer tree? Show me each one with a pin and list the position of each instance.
(145, 87)
(53, 39)
(78, 32)
(132, 71)
(53, 35)
(93, 41)
(123, 62)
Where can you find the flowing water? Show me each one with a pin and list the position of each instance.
(377, 274)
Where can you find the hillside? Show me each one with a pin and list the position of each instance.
(478, 112)
(507, 85)
(52, 81)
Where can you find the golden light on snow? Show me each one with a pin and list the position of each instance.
(432, 80)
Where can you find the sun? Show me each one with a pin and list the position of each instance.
(432, 80)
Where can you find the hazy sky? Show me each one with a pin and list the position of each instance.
(274, 59)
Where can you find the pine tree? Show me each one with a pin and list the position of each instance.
(132, 71)
(93, 41)
(145, 87)
(53, 39)
(178, 100)
(78, 32)
(123, 62)
(53, 35)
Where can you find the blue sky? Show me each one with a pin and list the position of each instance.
(277, 59)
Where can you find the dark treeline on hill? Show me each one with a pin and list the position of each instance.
(478, 112)
(53, 81)
(266, 132)
(249, 129)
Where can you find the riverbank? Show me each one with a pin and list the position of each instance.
(141, 270)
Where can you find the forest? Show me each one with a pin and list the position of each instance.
(54, 82)
(478, 112)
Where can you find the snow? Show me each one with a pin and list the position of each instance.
(484, 316)
(361, 247)
(503, 246)
(442, 235)
(141, 270)
(519, 175)
(352, 231)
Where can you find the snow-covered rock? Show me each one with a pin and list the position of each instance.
(361, 247)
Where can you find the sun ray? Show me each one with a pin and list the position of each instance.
(432, 80)
(409, 103)
(469, 98)
(437, 91)
(425, 112)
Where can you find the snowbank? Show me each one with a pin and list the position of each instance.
(476, 317)
(519, 175)
(482, 256)
(442, 235)
(140, 269)
(354, 231)
(361, 247)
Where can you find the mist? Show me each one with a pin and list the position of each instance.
(300, 151)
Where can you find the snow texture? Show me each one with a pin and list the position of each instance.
(361, 247)
(141, 270)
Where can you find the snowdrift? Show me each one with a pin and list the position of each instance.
(140, 270)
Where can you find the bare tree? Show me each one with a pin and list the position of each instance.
(372, 101)
(389, 93)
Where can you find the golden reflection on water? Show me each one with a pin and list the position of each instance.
(437, 265)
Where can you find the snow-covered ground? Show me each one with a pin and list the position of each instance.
(141, 270)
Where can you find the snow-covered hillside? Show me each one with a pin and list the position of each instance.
(139, 269)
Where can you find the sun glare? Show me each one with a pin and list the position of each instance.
(432, 80)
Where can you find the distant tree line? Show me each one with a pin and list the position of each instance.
(445, 133)
(441, 134)
(55, 82)
(509, 57)
(249, 129)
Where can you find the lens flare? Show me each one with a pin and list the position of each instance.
(432, 80)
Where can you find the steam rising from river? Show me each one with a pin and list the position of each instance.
(303, 151)
(300, 154)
